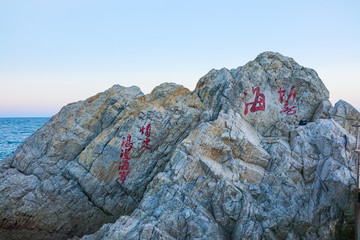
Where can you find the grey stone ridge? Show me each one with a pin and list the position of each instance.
(228, 160)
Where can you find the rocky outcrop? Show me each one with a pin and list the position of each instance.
(37, 200)
(275, 77)
(346, 115)
(226, 161)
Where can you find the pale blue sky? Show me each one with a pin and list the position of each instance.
(56, 52)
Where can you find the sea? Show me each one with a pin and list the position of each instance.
(13, 131)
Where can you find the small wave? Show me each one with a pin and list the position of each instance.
(13, 131)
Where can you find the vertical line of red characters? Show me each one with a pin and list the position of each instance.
(124, 156)
(126, 147)
(286, 109)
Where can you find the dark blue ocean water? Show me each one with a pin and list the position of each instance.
(13, 131)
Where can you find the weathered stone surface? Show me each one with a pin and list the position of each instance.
(172, 112)
(209, 190)
(47, 204)
(346, 115)
(213, 172)
(322, 112)
(230, 89)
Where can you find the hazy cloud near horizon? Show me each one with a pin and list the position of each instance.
(56, 52)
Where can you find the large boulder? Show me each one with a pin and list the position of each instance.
(272, 92)
(37, 200)
(226, 161)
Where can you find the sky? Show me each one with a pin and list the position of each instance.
(56, 52)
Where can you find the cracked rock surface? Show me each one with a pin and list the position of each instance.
(216, 167)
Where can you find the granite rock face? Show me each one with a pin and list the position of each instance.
(226, 161)
(346, 115)
(273, 75)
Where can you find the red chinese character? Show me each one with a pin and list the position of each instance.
(127, 143)
(146, 144)
(125, 153)
(258, 104)
(123, 176)
(128, 146)
(286, 109)
(147, 130)
(124, 166)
